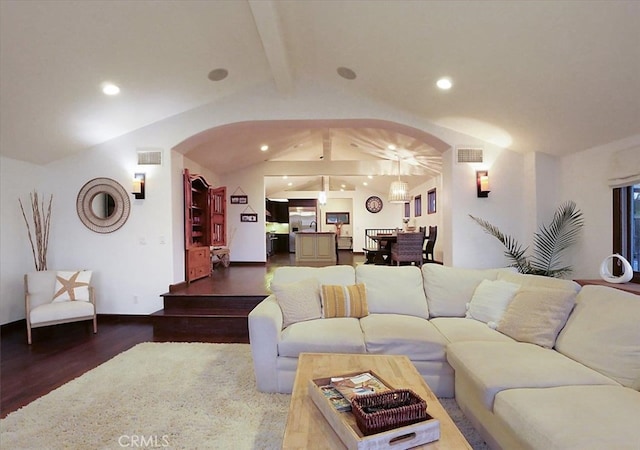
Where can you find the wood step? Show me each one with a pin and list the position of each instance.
(211, 304)
(203, 328)
(207, 317)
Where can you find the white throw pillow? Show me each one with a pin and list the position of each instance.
(299, 301)
(490, 301)
(72, 286)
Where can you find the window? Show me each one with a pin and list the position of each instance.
(626, 227)
(417, 201)
(431, 201)
(337, 217)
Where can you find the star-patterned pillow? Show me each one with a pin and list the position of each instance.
(72, 286)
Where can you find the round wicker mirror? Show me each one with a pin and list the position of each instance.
(103, 205)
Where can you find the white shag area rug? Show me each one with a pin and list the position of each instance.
(164, 395)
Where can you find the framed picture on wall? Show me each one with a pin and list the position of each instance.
(337, 217)
(239, 199)
(431, 201)
(248, 217)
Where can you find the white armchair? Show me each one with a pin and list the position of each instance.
(55, 297)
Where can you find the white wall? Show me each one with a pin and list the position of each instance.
(17, 180)
(585, 178)
(426, 219)
(133, 265)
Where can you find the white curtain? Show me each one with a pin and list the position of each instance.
(624, 167)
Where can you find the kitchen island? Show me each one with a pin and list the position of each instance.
(316, 247)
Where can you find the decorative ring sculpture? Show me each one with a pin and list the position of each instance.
(118, 211)
(607, 276)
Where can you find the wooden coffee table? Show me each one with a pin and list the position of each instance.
(306, 426)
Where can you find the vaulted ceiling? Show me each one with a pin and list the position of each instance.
(556, 77)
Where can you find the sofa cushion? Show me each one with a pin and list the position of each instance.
(536, 315)
(538, 281)
(299, 300)
(337, 335)
(344, 301)
(72, 286)
(599, 417)
(490, 301)
(394, 334)
(457, 329)
(394, 290)
(603, 332)
(51, 312)
(325, 275)
(449, 289)
(495, 366)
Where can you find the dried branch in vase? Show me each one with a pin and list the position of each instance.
(41, 225)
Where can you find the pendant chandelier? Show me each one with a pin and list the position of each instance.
(399, 190)
(322, 195)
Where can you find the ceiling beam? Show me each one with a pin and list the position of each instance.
(271, 34)
(345, 168)
(326, 144)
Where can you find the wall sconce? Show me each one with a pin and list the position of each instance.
(138, 186)
(482, 180)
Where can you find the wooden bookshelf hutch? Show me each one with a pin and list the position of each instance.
(204, 224)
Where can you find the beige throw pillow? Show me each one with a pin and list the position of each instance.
(344, 301)
(299, 301)
(72, 286)
(537, 315)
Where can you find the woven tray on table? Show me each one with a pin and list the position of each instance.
(385, 411)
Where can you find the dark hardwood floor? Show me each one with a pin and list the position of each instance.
(63, 352)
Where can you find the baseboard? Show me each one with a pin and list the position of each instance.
(21, 324)
(12, 326)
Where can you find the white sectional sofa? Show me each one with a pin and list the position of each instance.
(538, 381)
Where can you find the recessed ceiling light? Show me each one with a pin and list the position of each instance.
(289, 184)
(370, 177)
(284, 177)
(264, 148)
(218, 74)
(444, 83)
(391, 147)
(110, 89)
(346, 73)
(364, 183)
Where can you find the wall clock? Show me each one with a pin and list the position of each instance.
(373, 204)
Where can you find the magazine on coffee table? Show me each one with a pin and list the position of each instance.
(359, 384)
(336, 398)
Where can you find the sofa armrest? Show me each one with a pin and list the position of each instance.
(265, 326)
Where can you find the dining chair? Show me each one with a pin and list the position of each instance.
(407, 248)
(429, 245)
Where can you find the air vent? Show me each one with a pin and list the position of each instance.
(469, 155)
(149, 157)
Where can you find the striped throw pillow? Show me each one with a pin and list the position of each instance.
(344, 301)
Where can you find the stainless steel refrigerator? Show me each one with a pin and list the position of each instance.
(300, 219)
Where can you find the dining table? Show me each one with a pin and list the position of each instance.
(384, 241)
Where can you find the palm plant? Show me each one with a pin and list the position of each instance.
(550, 243)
